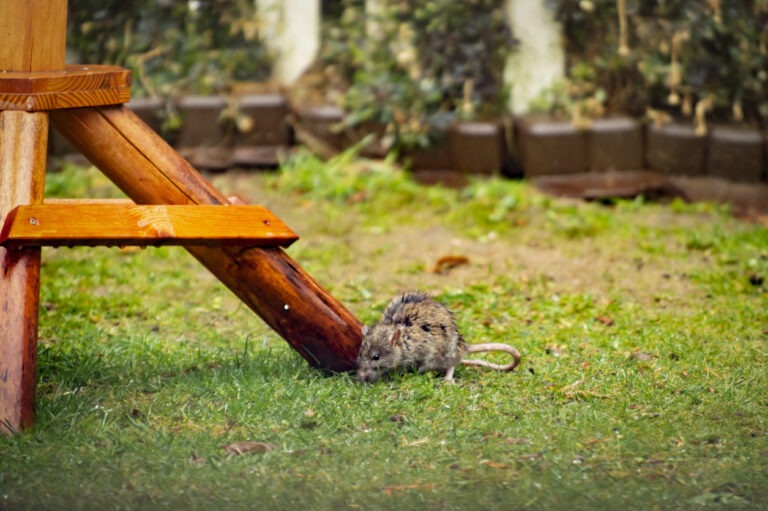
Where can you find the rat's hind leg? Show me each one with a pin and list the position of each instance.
(449, 375)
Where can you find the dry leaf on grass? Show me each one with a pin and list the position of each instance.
(399, 488)
(493, 464)
(642, 356)
(238, 448)
(604, 320)
(446, 263)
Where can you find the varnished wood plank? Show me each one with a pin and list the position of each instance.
(75, 202)
(125, 224)
(269, 281)
(75, 86)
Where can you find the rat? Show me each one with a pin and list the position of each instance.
(418, 333)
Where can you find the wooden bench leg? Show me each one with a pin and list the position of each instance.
(23, 140)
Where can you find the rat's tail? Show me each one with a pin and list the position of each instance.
(493, 346)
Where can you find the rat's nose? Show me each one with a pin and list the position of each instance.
(366, 376)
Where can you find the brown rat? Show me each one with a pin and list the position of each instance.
(418, 333)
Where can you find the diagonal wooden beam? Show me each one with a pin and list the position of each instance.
(149, 171)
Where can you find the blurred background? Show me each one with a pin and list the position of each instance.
(518, 87)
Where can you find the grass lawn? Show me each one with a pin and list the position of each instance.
(643, 329)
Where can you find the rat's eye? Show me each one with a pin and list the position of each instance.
(376, 356)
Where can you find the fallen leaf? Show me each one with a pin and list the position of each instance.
(416, 443)
(447, 263)
(398, 488)
(642, 356)
(238, 448)
(583, 394)
(604, 320)
(572, 386)
(493, 464)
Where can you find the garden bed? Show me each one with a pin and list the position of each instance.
(264, 126)
(539, 145)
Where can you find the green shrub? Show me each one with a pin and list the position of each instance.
(673, 55)
(416, 66)
(171, 47)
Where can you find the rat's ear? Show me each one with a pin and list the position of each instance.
(365, 330)
(394, 339)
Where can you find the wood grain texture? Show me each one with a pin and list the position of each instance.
(32, 35)
(32, 38)
(75, 86)
(122, 224)
(23, 138)
(149, 171)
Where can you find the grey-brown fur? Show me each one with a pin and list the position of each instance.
(418, 333)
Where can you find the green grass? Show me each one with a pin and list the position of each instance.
(643, 329)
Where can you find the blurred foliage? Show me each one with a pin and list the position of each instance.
(198, 47)
(684, 57)
(416, 66)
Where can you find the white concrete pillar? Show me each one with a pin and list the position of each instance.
(373, 8)
(539, 60)
(291, 30)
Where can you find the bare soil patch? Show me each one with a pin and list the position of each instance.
(383, 261)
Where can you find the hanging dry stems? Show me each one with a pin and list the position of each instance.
(621, 7)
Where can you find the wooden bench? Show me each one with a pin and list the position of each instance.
(239, 244)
